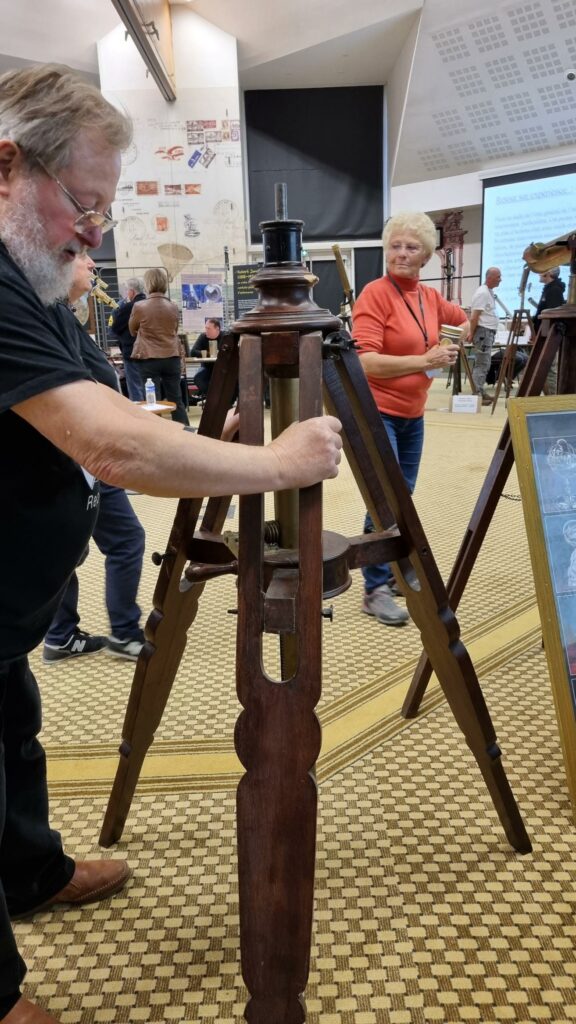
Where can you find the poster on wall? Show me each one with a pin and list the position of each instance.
(202, 298)
(244, 293)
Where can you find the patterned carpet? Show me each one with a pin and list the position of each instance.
(423, 912)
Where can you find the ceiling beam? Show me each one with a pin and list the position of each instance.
(149, 24)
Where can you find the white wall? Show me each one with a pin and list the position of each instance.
(180, 196)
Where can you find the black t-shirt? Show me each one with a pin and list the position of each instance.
(70, 329)
(49, 504)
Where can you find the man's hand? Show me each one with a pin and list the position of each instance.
(308, 452)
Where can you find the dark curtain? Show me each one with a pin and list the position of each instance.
(327, 146)
(368, 265)
(328, 292)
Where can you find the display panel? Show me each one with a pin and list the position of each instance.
(544, 439)
(519, 209)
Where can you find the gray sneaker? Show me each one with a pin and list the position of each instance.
(382, 605)
(129, 649)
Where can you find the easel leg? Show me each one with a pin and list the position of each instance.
(532, 382)
(277, 735)
(381, 482)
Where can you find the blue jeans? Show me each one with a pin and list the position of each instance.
(407, 438)
(120, 537)
(134, 382)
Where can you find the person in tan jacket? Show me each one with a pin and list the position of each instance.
(154, 321)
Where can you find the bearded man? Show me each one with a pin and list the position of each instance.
(60, 432)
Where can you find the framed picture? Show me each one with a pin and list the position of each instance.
(544, 439)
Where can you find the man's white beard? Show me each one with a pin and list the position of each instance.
(23, 234)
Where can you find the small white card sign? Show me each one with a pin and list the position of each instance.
(465, 403)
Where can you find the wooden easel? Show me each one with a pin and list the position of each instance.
(520, 321)
(302, 350)
(561, 336)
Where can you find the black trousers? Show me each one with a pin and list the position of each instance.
(166, 375)
(33, 865)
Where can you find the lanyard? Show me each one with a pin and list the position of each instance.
(422, 325)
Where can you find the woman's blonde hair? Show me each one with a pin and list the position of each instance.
(419, 224)
(42, 109)
(156, 280)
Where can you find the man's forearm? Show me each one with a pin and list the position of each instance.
(474, 320)
(128, 447)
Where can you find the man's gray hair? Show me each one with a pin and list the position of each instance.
(553, 272)
(136, 284)
(43, 107)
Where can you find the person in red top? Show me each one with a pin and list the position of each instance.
(396, 324)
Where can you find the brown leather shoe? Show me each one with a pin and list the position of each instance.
(25, 1012)
(92, 880)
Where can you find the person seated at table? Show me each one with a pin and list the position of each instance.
(212, 332)
(520, 360)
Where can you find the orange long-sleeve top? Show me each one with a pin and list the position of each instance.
(382, 323)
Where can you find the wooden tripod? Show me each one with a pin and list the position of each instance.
(562, 335)
(301, 349)
(520, 321)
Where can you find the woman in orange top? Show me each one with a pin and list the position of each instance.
(397, 325)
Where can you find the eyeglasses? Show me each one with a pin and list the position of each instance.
(88, 218)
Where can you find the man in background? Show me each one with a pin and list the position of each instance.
(483, 327)
(118, 532)
(119, 327)
(552, 296)
(212, 333)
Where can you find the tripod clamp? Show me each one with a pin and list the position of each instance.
(336, 343)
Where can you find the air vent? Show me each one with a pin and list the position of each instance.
(528, 22)
(450, 45)
(464, 153)
(504, 72)
(448, 123)
(556, 98)
(543, 61)
(488, 34)
(482, 115)
(467, 81)
(433, 159)
(531, 137)
(565, 131)
(518, 107)
(565, 13)
(496, 145)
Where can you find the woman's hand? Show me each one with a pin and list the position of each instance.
(439, 356)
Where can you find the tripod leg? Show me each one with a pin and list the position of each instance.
(466, 365)
(366, 442)
(174, 612)
(278, 736)
(537, 367)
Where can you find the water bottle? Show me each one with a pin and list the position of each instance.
(150, 392)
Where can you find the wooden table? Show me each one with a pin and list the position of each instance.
(159, 408)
